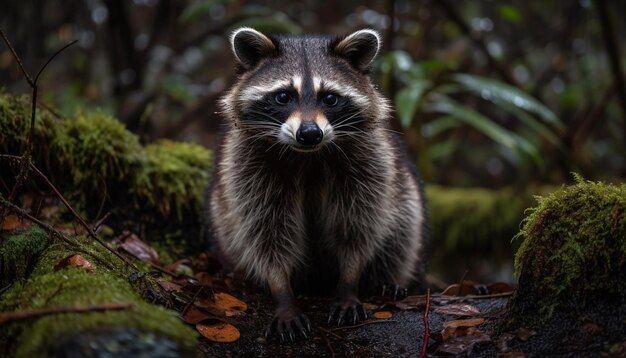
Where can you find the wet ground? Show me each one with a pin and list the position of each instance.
(401, 335)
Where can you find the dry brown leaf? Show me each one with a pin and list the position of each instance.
(410, 303)
(382, 315)
(369, 306)
(194, 316)
(462, 344)
(132, 244)
(499, 287)
(464, 323)
(450, 332)
(458, 309)
(13, 222)
(219, 332)
(231, 305)
(75, 261)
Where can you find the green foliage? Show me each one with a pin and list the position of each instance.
(48, 287)
(509, 117)
(574, 250)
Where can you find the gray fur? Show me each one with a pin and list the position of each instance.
(352, 208)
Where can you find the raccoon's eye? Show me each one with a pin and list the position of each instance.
(330, 100)
(282, 98)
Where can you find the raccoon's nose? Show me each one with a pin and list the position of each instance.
(309, 134)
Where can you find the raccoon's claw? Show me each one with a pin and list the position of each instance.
(347, 308)
(395, 292)
(289, 326)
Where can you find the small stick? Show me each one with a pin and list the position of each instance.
(426, 328)
(38, 312)
(330, 332)
(330, 347)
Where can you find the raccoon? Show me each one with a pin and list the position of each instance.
(311, 191)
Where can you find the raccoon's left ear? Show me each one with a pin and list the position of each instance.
(359, 48)
(250, 46)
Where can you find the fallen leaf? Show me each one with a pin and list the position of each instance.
(499, 287)
(204, 279)
(410, 303)
(75, 261)
(132, 244)
(369, 306)
(168, 285)
(464, 322)
(462, 344)
(382, 315)
(219, 332)
(13, 222)
(231, 305)
(224, 302)
(466, 288)
(450, 332)
(174, 265)
(194, 316)
(458, 309)
(523, 334)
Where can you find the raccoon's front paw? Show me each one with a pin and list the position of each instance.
(346, 308)
(288, 323)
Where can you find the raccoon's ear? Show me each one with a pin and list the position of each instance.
(359, 48)
(250, 46)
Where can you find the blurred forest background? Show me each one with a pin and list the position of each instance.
(490, 94)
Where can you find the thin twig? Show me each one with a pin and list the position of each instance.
(17, 58)
(363, 324)
(328, 345)
(78, 217)
(99, 223)
(3, 289)
(38, 312)
(191, 301)
(330, 332)
(52, 58)
(48, 228)
(426, 327)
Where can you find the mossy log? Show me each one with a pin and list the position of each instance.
(142, 330)
(101, 167)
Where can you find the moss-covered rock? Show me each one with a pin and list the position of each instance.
(573, 255)
(70, 286)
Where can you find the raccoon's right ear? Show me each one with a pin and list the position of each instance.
(250, 46)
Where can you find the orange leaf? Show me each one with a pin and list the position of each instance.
(226, 303)
(195, 316)
(369, 306)
(219, 332)
(464, 323)
(12, 222)
(75, 261)
(382, 314)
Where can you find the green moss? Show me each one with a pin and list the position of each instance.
(574, 250)
(173, 179)
(15, 114)
(101, 167)
(18, 254)
(474, 218)
(73, 286)
(97, 151)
